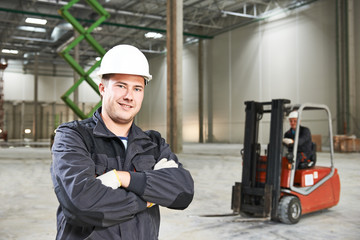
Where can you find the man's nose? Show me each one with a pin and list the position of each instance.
(129, 95)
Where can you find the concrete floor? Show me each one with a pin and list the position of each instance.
(28, 204)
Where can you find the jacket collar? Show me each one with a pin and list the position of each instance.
(101, 130)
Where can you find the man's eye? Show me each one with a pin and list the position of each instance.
(138, 89)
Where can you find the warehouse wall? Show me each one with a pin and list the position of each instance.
(153, 114)
(293, 58)
(20, 86)
(19, 102)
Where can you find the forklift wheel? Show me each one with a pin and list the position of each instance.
(289, 210)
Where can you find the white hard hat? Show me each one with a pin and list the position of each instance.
(294, 114)
(125, 59)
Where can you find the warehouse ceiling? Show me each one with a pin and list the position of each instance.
(130, 22)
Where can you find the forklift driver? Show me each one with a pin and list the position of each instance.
(304, 158)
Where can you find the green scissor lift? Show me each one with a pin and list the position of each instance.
(84, 34)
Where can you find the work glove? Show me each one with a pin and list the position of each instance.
(288, 141)
(150, 204)
(164, 163)
(110, 179)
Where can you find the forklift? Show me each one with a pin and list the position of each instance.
(271, 186)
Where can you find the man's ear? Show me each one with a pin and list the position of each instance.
(101, 89)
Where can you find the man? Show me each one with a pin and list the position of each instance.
(304, 150)
(109, 176)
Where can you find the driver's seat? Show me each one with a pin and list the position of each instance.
(311, 161)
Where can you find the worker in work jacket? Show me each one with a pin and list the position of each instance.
(109, 176)
(88, 209)
(304, 148)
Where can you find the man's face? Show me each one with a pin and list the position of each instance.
(122, 96)
(293, 122)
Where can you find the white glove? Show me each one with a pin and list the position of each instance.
(288, 141)
(110, 179)
(164, 163)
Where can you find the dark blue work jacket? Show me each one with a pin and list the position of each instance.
(88, 209)
(304, 150)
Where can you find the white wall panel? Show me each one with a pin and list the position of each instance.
(153, 112)
(291, 58)
(18, 87)
(220, 80)
(190, 102)
(88, 94)
(246, 82)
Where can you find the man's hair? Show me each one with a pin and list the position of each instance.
(105, 78)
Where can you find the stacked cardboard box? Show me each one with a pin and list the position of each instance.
(317, 140)
(344, 143)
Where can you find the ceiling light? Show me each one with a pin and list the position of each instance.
(153, 35)
(36, 21)
(11, 51)
(98, 29)
(32, 29)
(27, 131)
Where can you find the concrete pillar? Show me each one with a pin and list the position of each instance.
(76, 76)
(209, 104)
(13, 123)
(36, 82)
(53, 119)
(174, 44)
(47, 125)
(346, 69)
(352, 68)
(201, 90)
(342, 68)
(41, 122)
(22, 123)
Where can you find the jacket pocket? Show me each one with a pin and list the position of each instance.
(144, 162)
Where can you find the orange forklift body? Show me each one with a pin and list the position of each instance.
(325, 196)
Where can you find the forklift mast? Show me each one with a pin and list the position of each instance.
(251, 196)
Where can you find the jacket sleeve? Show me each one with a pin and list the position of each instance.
(82, 197)
(286, 134)
(168, 187)
(304, 136)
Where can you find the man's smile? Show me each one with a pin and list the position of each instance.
(124, 105)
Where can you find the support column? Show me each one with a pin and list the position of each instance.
(346, 68)
(201, 91)
(14, 134)
(22, 122)
(41, 122)
(342, 67)
(53, 119)
(209, 104)
(352, 68)
(76, 76)
(3, 66)
(174, 44)
(36, 82)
